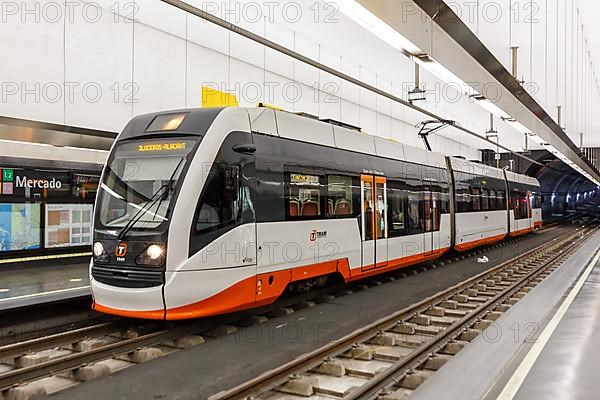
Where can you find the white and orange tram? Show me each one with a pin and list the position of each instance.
(209, 211)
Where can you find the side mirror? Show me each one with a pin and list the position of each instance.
(244, 148)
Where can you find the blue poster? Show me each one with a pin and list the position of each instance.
(19, 226)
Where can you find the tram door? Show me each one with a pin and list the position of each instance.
(374, 222)
(431, 219)
(529, 210)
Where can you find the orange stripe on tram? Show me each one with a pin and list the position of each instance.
(521, 232)
(264, 289)
(479, 242)
(155, 314)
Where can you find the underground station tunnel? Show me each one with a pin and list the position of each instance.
(346, 199)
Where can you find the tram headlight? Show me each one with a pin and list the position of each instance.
(100, 254)
(154, 251)
(152, 255)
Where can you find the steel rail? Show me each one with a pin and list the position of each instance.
(41, 343)
(75, 360)
(388, 377)
(188, 8)
(312, 359)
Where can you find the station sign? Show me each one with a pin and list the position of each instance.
(32, 183)
(24, 182)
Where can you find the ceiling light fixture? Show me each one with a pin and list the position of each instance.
(376, 26)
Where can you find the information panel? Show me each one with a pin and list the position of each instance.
(68, 225)
(19, 226)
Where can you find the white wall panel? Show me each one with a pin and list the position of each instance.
(307, 98)
(368, 120)
(349, 90)
(248, 51)
(538, 52)
(99, 68)
(303, 72)
(159, 70)
(204, 67)
(399, 125)
(32, 67)
(494, 29)
(368, 99)
(161, 16)
(521, 35)
(350, 113)
(277, 62)
(329, 106)
(206, 34)
(275, 91)
(248, 85)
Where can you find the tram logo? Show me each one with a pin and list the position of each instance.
(315, 234)
(121, 250)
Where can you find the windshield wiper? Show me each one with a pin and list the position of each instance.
(166, 188)
(140, 213)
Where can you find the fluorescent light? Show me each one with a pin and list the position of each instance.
(491, 107)
(517, 125)
(52, 145)
(552, 149)
(84, 149)
(537, 139)
(376, 26)
(444, 74)
(391, 36)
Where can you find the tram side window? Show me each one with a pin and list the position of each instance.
(514, 203)
(519, 204)
(476, 198)
(535, 201)
(501, 199)
(222, 199)
(478, 193)
(523, 205)
(439, 205)
(405, 211)
(397, 206)
(493, 200)
(463, 200)
(444, 201)
(485, 199)
(340, 193)
(303, 196)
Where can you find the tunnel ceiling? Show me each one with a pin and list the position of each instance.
(556, 176)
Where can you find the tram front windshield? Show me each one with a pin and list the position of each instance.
(139, 182)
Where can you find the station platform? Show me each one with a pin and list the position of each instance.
(546, 346)
(566, 367)
(29, 283)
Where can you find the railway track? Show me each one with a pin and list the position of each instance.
(22, 324)
(389, 359)
(31, 322)
(53, 362)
